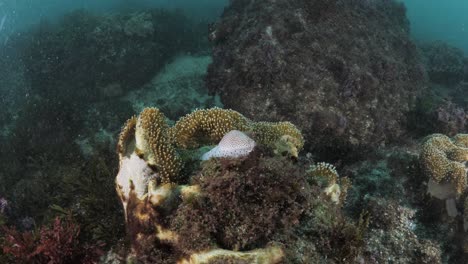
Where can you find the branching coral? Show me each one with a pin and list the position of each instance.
(126, 143)
(270, 133)
(153, 142)
(207, 127)
(150, 136)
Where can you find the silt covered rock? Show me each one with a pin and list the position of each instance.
(344, 71)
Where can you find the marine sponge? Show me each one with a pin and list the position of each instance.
(442, 160)
(207, 126)
(153, 142)
(233, 145)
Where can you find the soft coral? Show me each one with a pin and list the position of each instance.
(56, 245)
(20, 246)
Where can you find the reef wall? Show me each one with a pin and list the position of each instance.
(345, 71)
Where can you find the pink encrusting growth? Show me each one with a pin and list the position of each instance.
(233, 145)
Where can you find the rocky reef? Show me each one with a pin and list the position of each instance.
(279, 179)
(103, 56)
(392, 236)
(177, 89)
(64, 92)
(443, 107)
(83, 65)
(256, 206)
(416, 196)
(445, 64)
(345, 72)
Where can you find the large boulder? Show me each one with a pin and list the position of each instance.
(445, 64)
(89, 57)
(345, 72)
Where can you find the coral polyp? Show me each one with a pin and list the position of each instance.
(207, 126)
(443, 160)
(152, 141)
(151, 138)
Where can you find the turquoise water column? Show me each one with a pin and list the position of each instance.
(440, 20)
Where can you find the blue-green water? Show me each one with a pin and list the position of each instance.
(439, 20)
(19, 14)
(430, 19)
(336, 132)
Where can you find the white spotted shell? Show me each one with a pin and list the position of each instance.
(234, 144)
